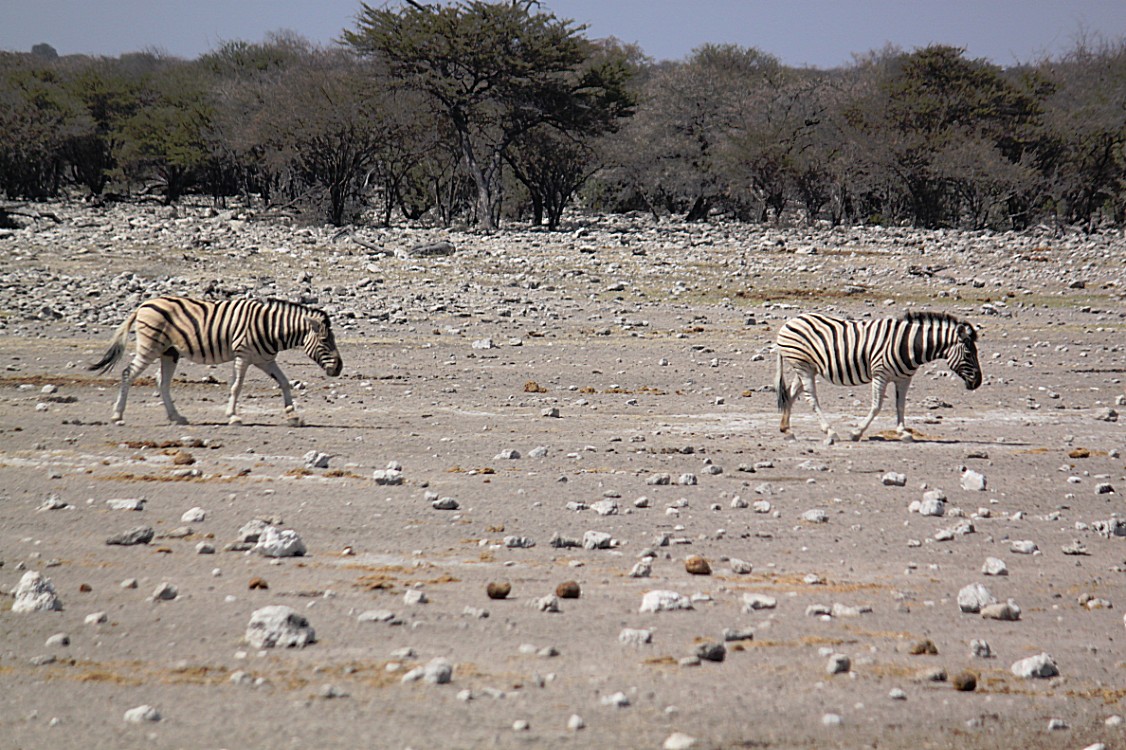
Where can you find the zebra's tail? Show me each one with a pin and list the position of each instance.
(116, 346)
(780, 387)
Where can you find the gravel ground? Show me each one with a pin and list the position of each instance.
(608, 384)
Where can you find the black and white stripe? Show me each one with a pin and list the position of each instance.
(247, 331)
(881, 351)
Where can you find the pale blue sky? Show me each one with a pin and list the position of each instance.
(820, 33)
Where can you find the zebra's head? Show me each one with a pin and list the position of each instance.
(320, 344)
(962, 356)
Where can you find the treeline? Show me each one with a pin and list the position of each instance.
(494, 112)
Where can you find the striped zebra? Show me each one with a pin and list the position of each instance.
(248, 331)
(881, 351)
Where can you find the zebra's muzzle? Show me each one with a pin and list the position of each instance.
(333, 367)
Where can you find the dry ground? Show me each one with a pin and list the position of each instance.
(647, 380)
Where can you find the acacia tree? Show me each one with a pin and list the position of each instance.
(492, 70)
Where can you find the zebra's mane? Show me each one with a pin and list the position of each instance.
(937, 317)
(284, 303)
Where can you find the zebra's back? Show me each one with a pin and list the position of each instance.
(841, 350)
(205, 332)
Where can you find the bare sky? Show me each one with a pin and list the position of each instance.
(818, 33)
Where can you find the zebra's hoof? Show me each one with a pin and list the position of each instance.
(118, 421)
(295, 421)
(178, 419)
(234, 419)
(855, 435)
(789, 436)
(831, 437)
(906, 437)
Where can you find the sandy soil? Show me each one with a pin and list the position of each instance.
(669, 374)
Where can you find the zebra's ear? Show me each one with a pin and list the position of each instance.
(316, 324)
(966, 332)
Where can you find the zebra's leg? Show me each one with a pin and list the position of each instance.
(167, 370)
(271, 368)
(794, 390)
(900, 408)
(236, 387)
(809, 383)
(131, 372)
(879, 385)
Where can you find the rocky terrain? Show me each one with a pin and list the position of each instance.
(547, 504)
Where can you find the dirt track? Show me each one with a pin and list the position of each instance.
(656, 353)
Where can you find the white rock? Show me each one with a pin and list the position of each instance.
(164, 592)
(752, 602)
(973, 481)
(597, 540)
(415, 596)
(815, 515)
(995, 567)
(575, 723)
(317, 460)
(618, 700)
(679, 741)
(275, 542)
(973, 597)
(194, 515)
(664, 601)
(96, 618)
(34, 593)
(635, 636)
(141, 714)
(387, 476)
(932, 506)
(605, 508)
(126, 503)
(278, 626)
(980, 649)
(741, 567)
(894, 479)
(1025, 547)
(1039, 666)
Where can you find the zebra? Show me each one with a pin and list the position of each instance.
(880, 351)
(248, 331)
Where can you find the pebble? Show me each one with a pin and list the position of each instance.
(34, 593)
(568, 590)
(194, 515)
(740, 567)
(894, 479)
(643, 568)
(274, 542)
(838, 664)
(965, 681)
(134, 536)
(679, 741)
(316, 460)
(1024, 547)
(1007, 611)
(923, 647)
(974, 597)
(753, 602)
(597, 540)
(832, 720)
(605, 508)
(164, 592)
(697, 566)
(278, 626)
(1041, 666)
(445, 503)
(519, 542)
(617, 700)
(932, 506)
(58, 640)
(664, 601)
(635, 636)
(738, 634)
(126, 503)
(549, 603)
(415, 596)
(498, 589)
(973, 481)
(387, 477)
(96, 618)
(980, 649)
(142, 714)
(994, 567)
(711, 651)
(815, 515)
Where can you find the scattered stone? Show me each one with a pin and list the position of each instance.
(664, 601)
(378, 615)
(274, 542)
(279, 626)
(965, 681)
(754, 602)
(1024, 547)
(509, 454)
(924, 647)
(205, 548)
(931, 674)
(1007, 611)
(549, 603)
(438, 671)
(832, 720)
(973, 481)
(815, 515)
(519, 542)
(138, 535)
(165, 592)
(316, 460)
(697, 566)
(897, 694)
(980, 649)
(1107, 415)
(974, 597)
(194, 515)
(838, 664)
(575, 723)
(53, 502)
(679, 741)
(635, 636)
(96, 618)
(932, 506)
(740, 567)
(994, 567)
(58, 640)
(597, 540)
(445, 503)
(415, 596)
(568, 590)
(142, 714)
(257, 584)
(643, 568)
(894, 479)
(387, 477)
(605, 508)
(1041, 666)
(252, 530)
(1104, 488)
(34, 593)
(498, 589)
(711, 651)
(687, 480)
(740, 634)
(126, 503)
(617, 700)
